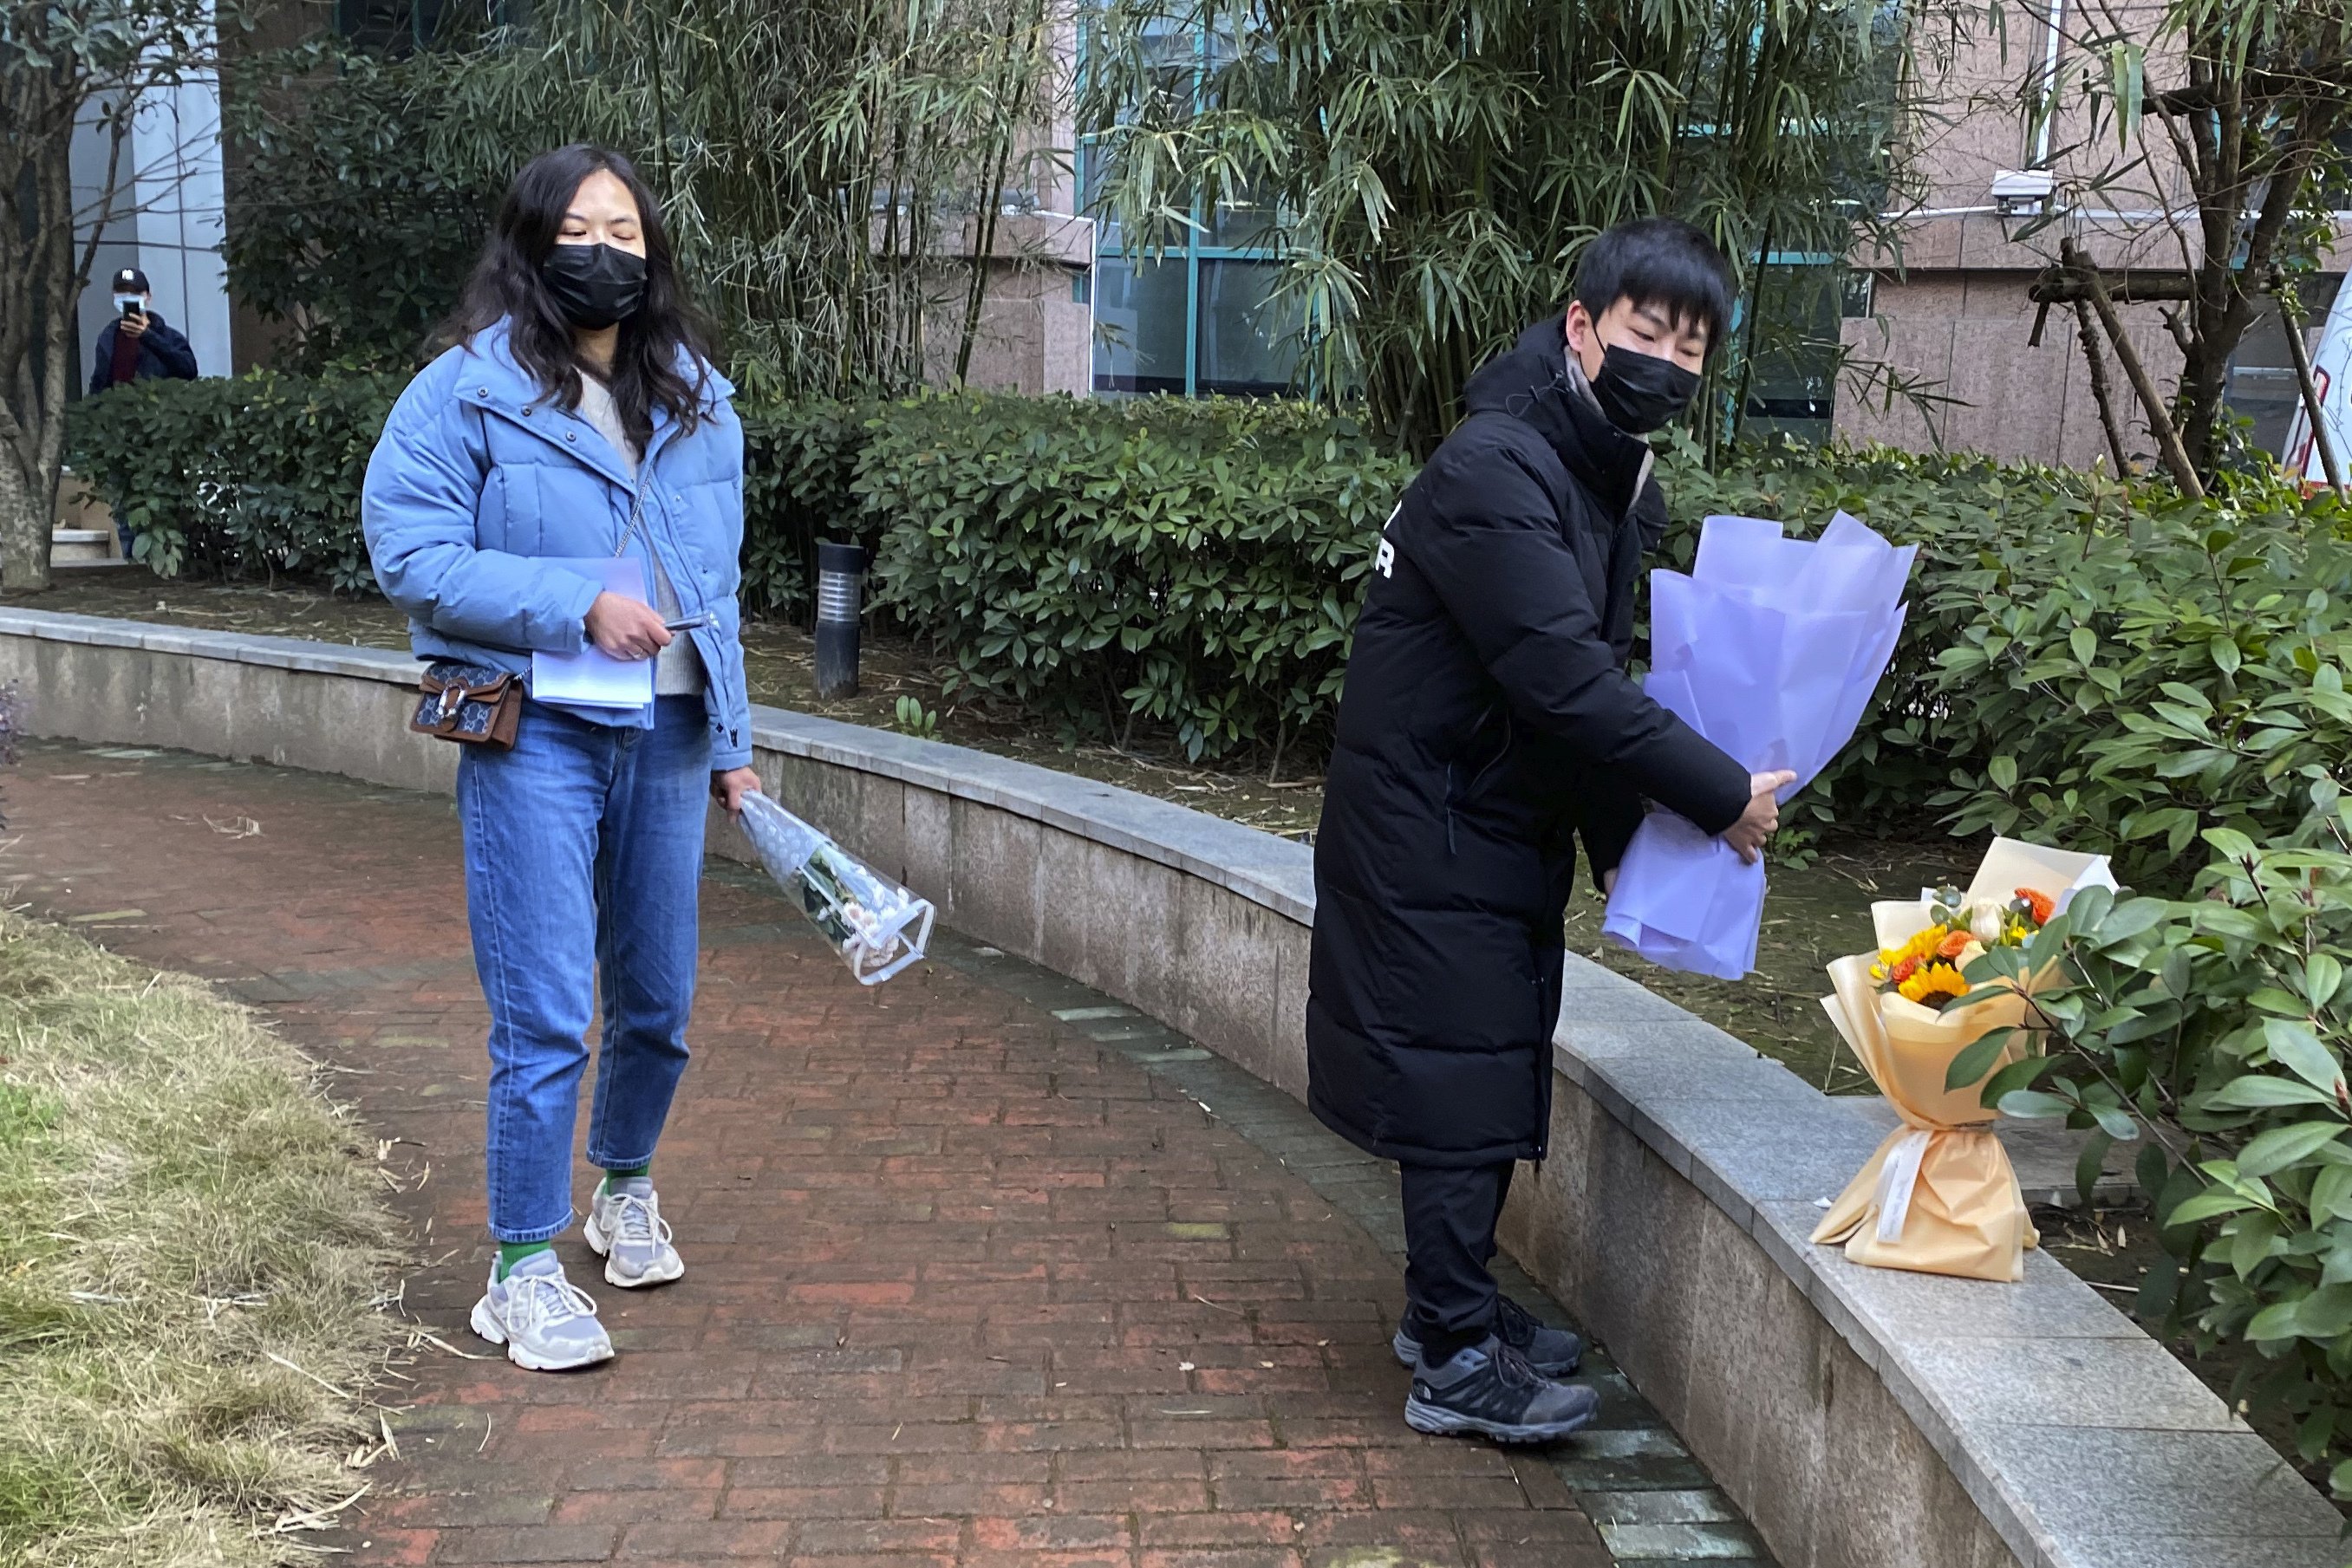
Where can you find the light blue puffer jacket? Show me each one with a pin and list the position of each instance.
(478, 476)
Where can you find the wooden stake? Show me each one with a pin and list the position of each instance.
(2160, 421)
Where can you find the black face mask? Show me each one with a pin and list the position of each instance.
(594, 285)
(1642, 392)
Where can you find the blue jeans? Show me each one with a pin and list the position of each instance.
(583, 857)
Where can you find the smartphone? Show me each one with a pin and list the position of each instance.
(132, 307)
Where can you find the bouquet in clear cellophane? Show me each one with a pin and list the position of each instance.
(877, 927)
(1939, 1196)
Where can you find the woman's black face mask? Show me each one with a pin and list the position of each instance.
(594, 285)
(1642, 392)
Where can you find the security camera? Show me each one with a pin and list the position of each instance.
(2021, 193)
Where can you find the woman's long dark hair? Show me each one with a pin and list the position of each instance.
(646, 373)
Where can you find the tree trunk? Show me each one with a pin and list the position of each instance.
(27, 506)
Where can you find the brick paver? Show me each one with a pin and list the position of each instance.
(968, 1282)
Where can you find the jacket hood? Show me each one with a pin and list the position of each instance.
(490, 357)
(1536, 382)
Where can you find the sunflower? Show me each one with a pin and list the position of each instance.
(1920, 948)
(1932, 983)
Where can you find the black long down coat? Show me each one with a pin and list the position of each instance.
(1486, 723)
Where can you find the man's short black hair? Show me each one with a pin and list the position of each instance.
(1660, 262)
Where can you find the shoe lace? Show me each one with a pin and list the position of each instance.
(1516, 1324)
(637, 1220)
(1514, 1370)
(545, 1300)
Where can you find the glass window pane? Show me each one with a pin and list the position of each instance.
(1248, 349)
(1140, 325)
(1793, 384)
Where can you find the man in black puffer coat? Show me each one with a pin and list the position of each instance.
(1487, 724)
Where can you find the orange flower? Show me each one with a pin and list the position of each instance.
(2039, 903)
(1902, 971)
(1954, 945)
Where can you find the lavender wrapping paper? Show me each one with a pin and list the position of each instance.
(1771, 648)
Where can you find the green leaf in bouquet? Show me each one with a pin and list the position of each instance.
(2282, 1147)
(1976, 1059)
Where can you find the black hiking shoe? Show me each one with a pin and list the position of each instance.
(1553, 1353)
(1490, 1389)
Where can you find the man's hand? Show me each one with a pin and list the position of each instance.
(625, 629)
(1763, 817)
(730, 787)
(134, 326)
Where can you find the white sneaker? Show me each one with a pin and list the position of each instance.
(626, 1229)
(547, 1323)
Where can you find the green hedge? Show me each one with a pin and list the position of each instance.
(1193, 566)
(254, 476)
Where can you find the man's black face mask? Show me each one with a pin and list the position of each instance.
(594, 285)
(1642, 392)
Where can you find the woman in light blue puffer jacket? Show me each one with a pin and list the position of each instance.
(578, 416)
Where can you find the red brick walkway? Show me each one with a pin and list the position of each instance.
(965, 1285)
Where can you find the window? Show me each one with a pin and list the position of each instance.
(399, 26)
(1791, 384)
(2262, 385)
(1196, 320)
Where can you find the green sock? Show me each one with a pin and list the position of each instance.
(513, 1252)
(626, 1174)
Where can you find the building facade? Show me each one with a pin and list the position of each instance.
(1949, 313)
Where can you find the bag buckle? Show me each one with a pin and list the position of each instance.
(452, 696)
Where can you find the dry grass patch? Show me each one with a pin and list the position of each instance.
(190, 1250)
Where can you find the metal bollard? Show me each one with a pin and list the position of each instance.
(840, 586)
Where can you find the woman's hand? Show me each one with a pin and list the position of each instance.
(730, 787)
(625, 629)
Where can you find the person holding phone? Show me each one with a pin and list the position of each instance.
(137, 344)
(578, 415)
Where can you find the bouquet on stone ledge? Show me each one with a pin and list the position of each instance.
(1940, 1196)
(876, 926)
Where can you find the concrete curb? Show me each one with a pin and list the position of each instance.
(1860, 1417)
